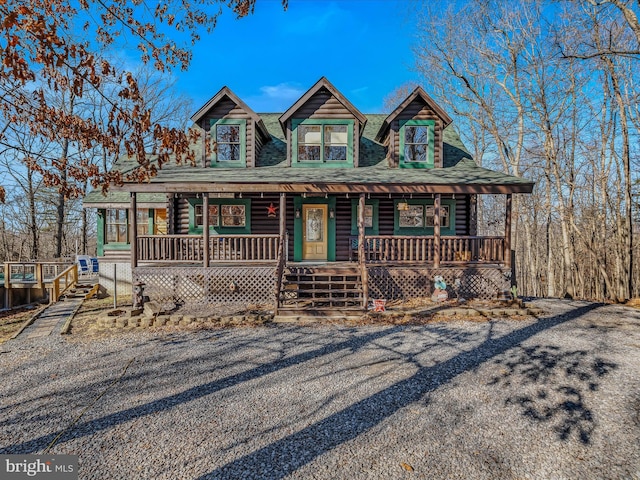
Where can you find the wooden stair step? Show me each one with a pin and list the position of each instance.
(321, 305)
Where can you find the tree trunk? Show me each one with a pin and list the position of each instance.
(626, 162)
(62, 200)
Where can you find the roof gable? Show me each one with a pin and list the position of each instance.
(225, 92)
(323, 83)
(418, 92)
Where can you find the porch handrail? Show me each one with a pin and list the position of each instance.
(280, 269)
(222, 248)
(70, 277)
(420, 249)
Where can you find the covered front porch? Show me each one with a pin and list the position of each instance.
(346, 231)
(258, 268)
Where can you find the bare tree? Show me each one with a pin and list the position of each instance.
(59, 45)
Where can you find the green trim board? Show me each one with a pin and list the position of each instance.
(297, 226)
(242, 161)
(423, 229)
(100, 232)
(322, 162)
(409, 163)
(220, 228)
(374, 229)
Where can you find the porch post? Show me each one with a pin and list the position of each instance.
(133, 234)
(283, 214)
(361, 206)
(473, 214)
(205, 229)
(361, 253)
(436, 231)
(507, 232)
(171, 200)
(284, 236)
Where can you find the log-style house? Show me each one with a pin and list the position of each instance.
(320, 208)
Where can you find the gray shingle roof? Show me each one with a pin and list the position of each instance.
(459, 168)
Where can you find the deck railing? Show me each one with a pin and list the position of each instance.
(223, 248)
(31, 273)
(420, 249)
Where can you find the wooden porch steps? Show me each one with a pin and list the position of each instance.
(321, 290)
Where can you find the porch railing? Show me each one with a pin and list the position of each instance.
(189, 248)
(170, 248)
(419, 249)
(245, 248)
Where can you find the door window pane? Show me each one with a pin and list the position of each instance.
(314, 224)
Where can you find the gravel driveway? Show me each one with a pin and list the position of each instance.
(554, 398)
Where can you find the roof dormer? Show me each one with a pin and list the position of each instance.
(413, 132)
(322, 129)
(232, 132)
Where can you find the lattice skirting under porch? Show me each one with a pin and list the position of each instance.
(392, 282)
(206, 286)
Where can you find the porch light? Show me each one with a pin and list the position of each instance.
(332, 213)
(297, 213)
(403, 206)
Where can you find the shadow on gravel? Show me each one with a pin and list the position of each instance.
(556, 381)
(285, 456)
(167, 403)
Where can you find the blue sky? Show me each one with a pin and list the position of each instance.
(272, 57)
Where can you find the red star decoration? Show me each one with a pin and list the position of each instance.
(272, 210)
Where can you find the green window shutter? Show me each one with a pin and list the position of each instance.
(428, 162)
(222, 204)
(324, 143)
(219, 162)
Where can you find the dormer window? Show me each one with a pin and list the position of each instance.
(322, 142)
(228, 140)
(417, 143)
